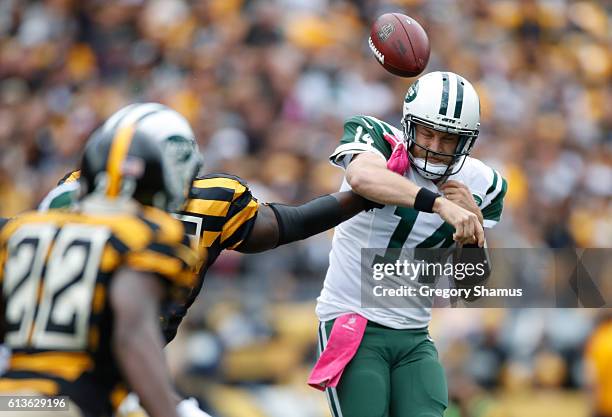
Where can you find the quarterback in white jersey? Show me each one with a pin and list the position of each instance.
(443, 198)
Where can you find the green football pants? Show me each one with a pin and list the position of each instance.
(395, 373)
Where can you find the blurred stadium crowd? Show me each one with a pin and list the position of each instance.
(266, 86)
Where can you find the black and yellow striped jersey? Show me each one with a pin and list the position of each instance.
(55, 273)
(219, 214)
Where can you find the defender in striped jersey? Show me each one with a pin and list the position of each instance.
(221, 213)
(440, 200)
(81, 289)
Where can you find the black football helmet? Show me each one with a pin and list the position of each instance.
(144, 151)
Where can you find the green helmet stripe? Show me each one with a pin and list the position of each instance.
(445, 90)
(459, 102)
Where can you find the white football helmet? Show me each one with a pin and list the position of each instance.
(446, 102)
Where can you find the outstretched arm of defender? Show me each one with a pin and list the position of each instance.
(279, 224)
(368, 176)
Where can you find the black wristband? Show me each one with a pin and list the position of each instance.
(371, 205)
(424, 200)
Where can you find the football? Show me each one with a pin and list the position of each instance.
(400, 44)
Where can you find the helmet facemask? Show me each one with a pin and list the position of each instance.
(432, 170)
(184, 162)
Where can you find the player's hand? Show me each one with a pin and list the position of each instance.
(468, 229)
(461, 195)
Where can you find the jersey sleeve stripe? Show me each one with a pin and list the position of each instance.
(352, 148)
(208, 238)
(488, 224)
(65, 365)
(384, 128)
(494, 209)
(186, 256)
(213, 223)
(152, 225)
(220, 182)
(494, 184)
(110, 257)
(171, 268)
(161, 248)
(38, 385)
(168, 230)
(134, 238)
(117, 244)
(240, 218)
(237, 238)
(210, 207)
(215, 193)
(499, 185)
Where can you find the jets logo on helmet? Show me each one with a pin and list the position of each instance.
(412, 92)
(446, 102)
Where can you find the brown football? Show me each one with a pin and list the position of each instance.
(400, 44)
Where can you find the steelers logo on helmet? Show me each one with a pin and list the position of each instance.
(445, 102)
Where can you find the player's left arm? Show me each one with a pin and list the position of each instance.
(278, 224)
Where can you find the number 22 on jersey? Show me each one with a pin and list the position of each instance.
(49, 284)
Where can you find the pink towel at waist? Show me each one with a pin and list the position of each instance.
(342, 345)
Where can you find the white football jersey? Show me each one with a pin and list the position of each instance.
(393, 227)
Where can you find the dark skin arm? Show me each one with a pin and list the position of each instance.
(137, 340)
(264, 235)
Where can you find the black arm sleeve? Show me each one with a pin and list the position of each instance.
(316, 216)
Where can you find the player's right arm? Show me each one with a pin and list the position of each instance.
(364, 153)
(137, 342)
(368, 176)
